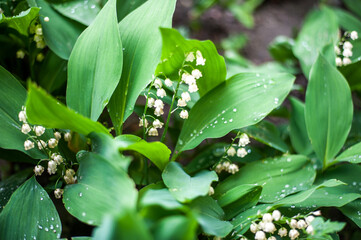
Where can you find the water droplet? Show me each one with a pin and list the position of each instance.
(223, 111)
(51, 227)
(230, 120)
(276, 100)
(281, 170)
(234, 109)
(83, 214)
(287, 186)
(80, 194)
(40, 227)
(41, 199)
(92, 6)
(215, 122)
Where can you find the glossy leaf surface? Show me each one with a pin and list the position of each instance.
(228, 106)
(95, 64)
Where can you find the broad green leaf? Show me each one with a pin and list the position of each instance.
(298, 132)
(160, 197)
(78, 10)
(124, 7)
(60, 33)
(184, 187)
(30, 213)
(107, 147)
(9, 185)
(278, 177)
(353, 211)
(352, 74)
(126, 226)
(328, 110)
(281, 49)
(210, 216)
(13, 97)
(354, 6)
(53, 72)
(142, 44)
(156, 152)
(267, 133)
(319, 29)
(81, 238)
(176, 228)
(239, 199)
(21, 22)
(244, 12)
(44, 110)
(227, 106)
(101, 189)
(347, 21)
(95, 65)
(352, 154)
(175, 49)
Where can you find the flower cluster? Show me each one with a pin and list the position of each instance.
(292, 227)
(187, 75)
(49, 147)
(231, 152)
(343, 57)
(38, 37)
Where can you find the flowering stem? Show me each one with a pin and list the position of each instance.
(170, 112)
(145, 111)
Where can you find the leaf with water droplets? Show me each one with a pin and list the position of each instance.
(320, 29)
(353, 211)
(328, 110)
(78, 10)
(95, 64)
(243, 100)
(184, 187)
(30, 214)
(352, 154)
(279, 177)
(102, 189)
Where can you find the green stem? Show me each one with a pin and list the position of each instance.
(170, 112)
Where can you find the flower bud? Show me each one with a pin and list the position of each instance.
(39, 130)
(260, 235)
(153, 132)
(28, 145)
(276, 215)
(282, 232)
(58, 193)
(52, 143)
(267, 217)
(67, 136)
(293, 234)
(25, 128)
(38, 170)
(184, 114)
(231, 151)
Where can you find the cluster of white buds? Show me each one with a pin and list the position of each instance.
(69, 176)
(266, 225)
(227, 166)
(38, 37)
(198, 57)
(38, 170)
(343, 57)
(58, 193)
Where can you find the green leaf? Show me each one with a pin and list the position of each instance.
(13, 97)
(176, 228)
(228, 106)
(124, 7)
(347, 21)
(126, 226)
(60, 33)
(184, 187)
(354, 6)
(328, 110)
(298, 131)
(239, 199)
(142, 48)
(21, 22)
(9, 185)
(156, 152)
(281, 49)
(101, 189)
(352, 154)
(278, 177)
(95, 65)
(267, 133)
(53, 72)
(107, 147)
(175, 48)
(352, 73)
(352, 211)
(44, 110)
(209, 215)
(319, 29)
(160, 197)
(81, 11)
(30, 213)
